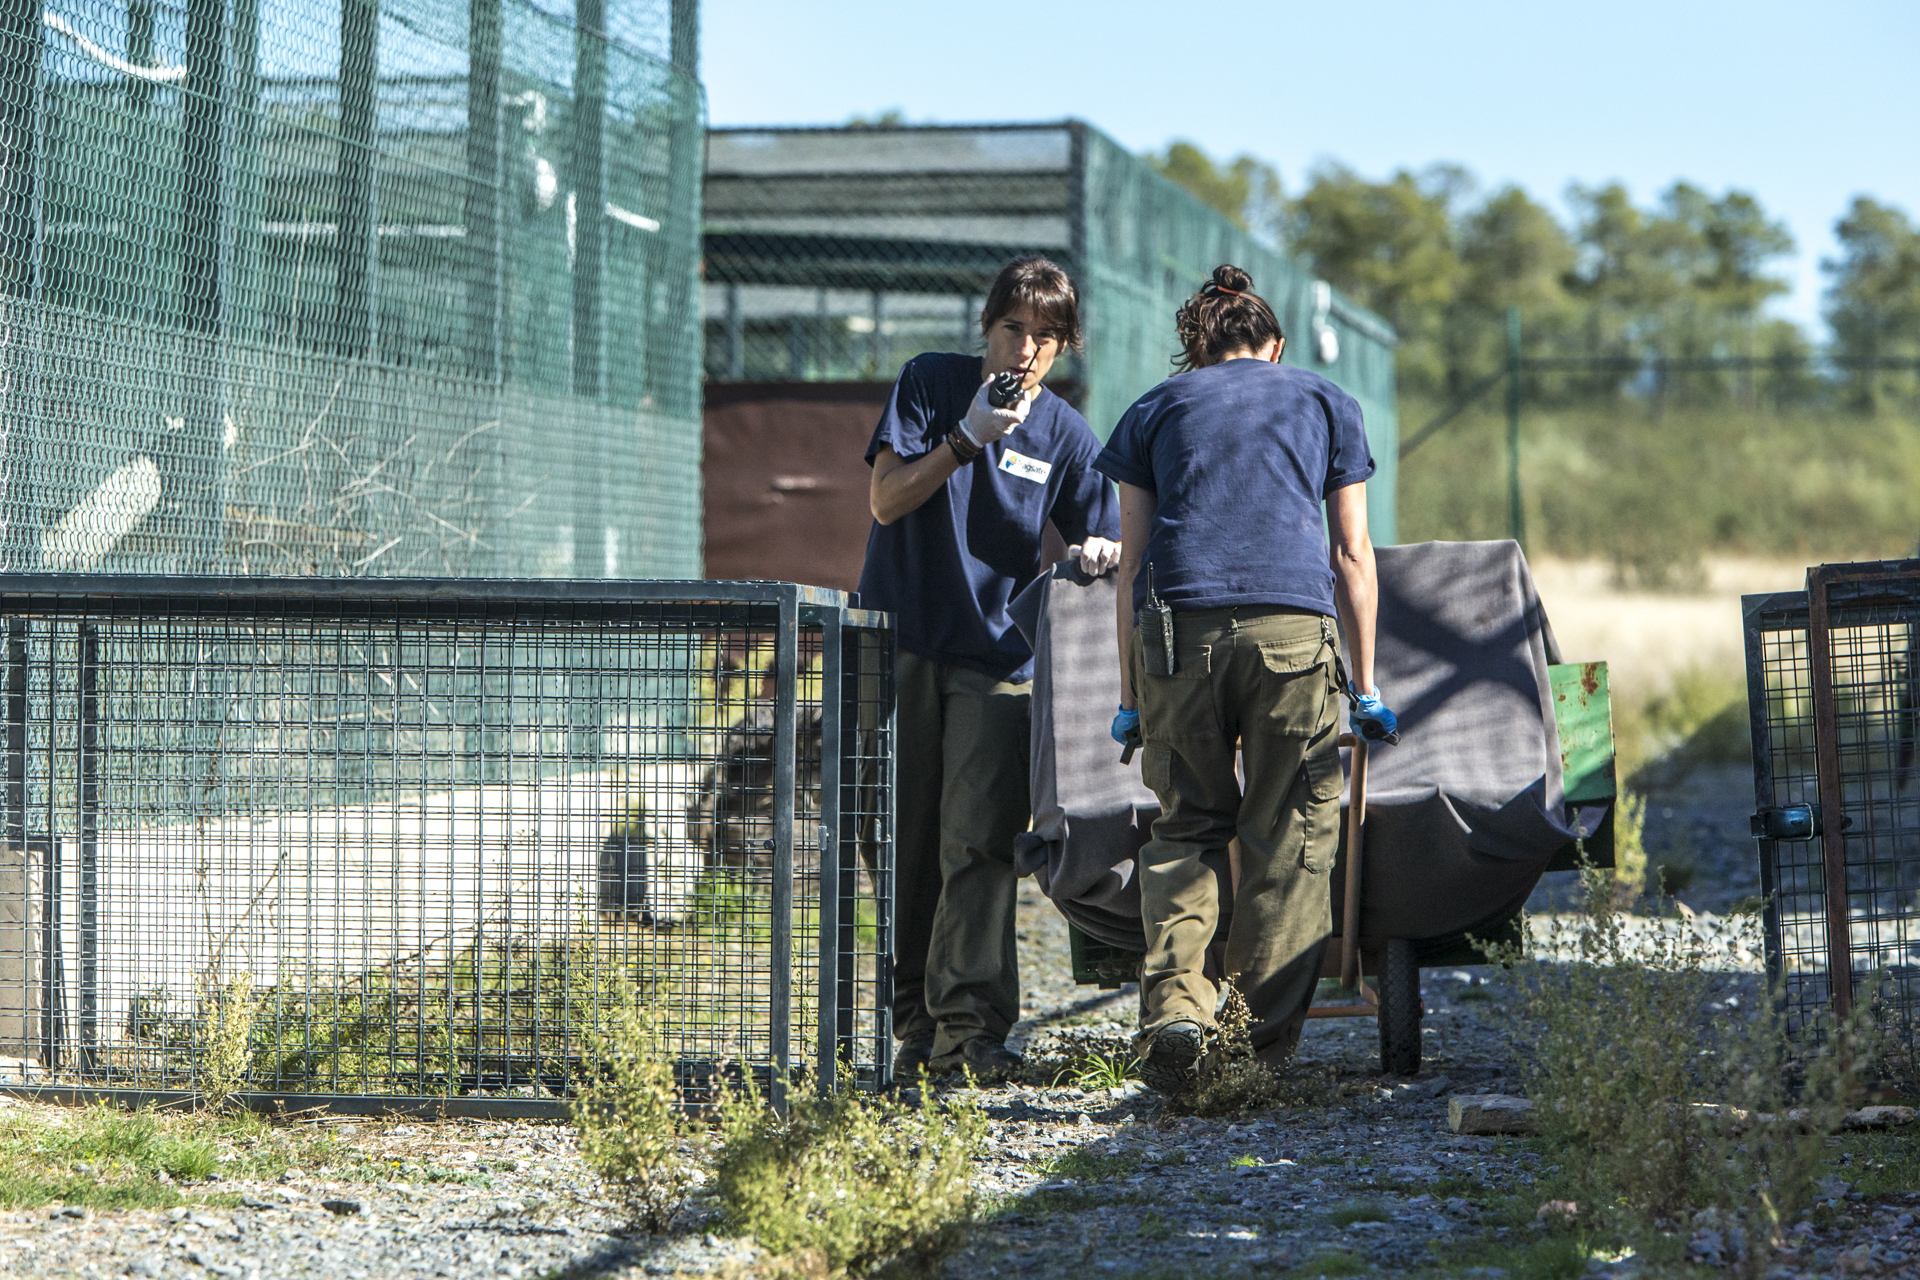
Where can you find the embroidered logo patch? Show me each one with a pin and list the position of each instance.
(1026, 468)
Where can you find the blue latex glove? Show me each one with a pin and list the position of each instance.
(1371, 719)
(1126, 723)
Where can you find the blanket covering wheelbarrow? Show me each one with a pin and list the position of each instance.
(1462, 817)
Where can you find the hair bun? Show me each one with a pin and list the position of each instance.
(1228, 276)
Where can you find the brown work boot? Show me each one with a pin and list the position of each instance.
(988, 1060)
(1171, 1066)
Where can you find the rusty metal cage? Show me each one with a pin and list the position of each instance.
(405, 841)
(1831, 678)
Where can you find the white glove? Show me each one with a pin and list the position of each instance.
(1096, 556)
(984, 424)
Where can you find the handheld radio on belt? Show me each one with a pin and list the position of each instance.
(1156, 646)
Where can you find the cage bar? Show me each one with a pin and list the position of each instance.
(412, 837)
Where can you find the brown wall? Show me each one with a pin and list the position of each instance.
(786, 479)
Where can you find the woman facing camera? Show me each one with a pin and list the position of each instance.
(1228, 595)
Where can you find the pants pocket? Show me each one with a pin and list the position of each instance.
(1294, 683)
(1321, 782)
(1156, 768)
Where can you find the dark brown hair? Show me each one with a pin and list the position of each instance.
(1040, 285)
(1226, 315)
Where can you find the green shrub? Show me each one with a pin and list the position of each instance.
(626, 1107)
(1623, 1043)
(857, 1179)
(224, 1062)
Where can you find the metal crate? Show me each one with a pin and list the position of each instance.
(431, 827)
(1831, 679)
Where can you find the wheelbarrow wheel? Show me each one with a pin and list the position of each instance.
(1399, 1008)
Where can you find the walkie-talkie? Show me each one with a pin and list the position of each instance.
(1005, 390)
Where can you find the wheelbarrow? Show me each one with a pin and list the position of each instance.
(1584, 724)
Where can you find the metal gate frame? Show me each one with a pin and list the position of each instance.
(857, 782)
(1831, 679)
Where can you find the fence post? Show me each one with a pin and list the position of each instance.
(832, 753)
(786, 660)
(357, 241)
(482, 242)
(1516, 514)
(89, 844)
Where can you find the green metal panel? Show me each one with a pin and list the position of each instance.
(1583, 713)
(837, 254)
(1149, 244)
(360, 287)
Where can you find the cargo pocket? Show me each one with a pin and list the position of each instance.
(1320, 806)
(1156, 768)
(1295, 685)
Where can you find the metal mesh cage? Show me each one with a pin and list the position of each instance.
(1831, 676)
(422, 834)
(351, 288)
(838, 254)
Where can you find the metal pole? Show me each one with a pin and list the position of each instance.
(590, 203)
(89, 844)
(357, 241)
(482, 244)
(786, 670)
(832, 753)
(1516, 516)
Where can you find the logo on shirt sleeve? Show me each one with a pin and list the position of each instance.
(1026, 468)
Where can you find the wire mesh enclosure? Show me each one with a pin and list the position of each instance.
(350, 287)
(838, 254)
(414, 840)
(1831, 678)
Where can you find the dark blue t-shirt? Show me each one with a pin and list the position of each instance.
(1239, 456)
(948, 568)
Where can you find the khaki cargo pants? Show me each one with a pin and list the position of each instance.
(962, 800)
(1264, 678)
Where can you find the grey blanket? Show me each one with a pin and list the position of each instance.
(1462, 817)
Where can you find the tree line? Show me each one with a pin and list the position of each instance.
(1617, 294)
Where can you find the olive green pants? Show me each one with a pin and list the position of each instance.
(1262, 678)
(962, 800)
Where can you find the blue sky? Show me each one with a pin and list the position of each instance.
(1804, 106)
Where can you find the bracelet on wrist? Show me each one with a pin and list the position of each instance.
(963, 448)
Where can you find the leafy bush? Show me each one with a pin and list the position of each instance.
(1672, 1104)
(224, 1063)
(857, 1179)
(633, 1133)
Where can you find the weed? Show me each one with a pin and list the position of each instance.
(627, 1110)
(1153, 1226)
(1332, 1264)
(1629, 849)
(1105, 1070)
(1084, 1165)
(859, 1179)
(1244, 1161)
(1674, 878)
(1234, 1082)
(1621, 1045)
(1359, 1211)
(1877, 1164)
(1473, 995)
(228, 1055)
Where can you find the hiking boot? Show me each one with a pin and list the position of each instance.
(987, 1059)
(1172, 1064)
(910, 1059)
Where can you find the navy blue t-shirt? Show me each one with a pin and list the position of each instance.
(949, 567)
(1239, 456)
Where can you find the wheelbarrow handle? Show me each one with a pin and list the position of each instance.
(1356, 821)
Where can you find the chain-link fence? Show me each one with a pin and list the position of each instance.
(350, 287)
(362, 843)
(837, 254)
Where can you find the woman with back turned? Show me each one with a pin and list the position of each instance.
(1226, 626)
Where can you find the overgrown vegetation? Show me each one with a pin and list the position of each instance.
(856, 1180)
(1667, 1103)
(627, 1110)
(1233, 1082)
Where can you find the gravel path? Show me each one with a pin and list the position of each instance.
(1363, 1177)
